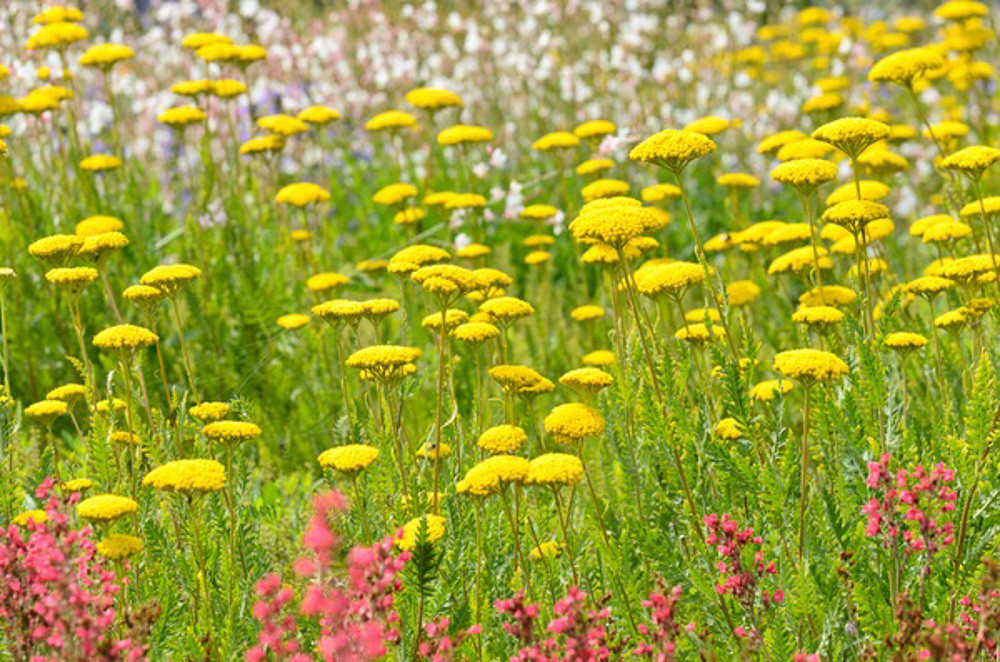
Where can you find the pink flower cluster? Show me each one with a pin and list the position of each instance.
(57, 598)
(356, 622)
(579, 634)
(438, 645)
(736, 580)
(911, 503)
(661, 643)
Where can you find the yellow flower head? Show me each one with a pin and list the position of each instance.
(170, 277)
(231, 431)
(384, 362)
(57, 14)
(737, 180)
(105, 55)
(615, 221)
(181, 116)
(432, 98)
(945, 232)
(818, 316)
(77, 485)
(326, 281)
(810, 365)
(99, 247)
(854, 214)
(433, 525)
(594, 166)
(774, 142)
(208, 412)
(282, 125)
(36, 517)
(904, 341)
(58, 34)
(318, 115)
(465, 201)
(953, 320)
(972, 161)
(71, 279)
(490, 475)
(671, 279)
(599, 357)
(767, 390)
(100, 163)
(742, 292)
(506, 310)
(56, 248)
(94, 225)
(144, 295)
(475, 333)
(123, 437)
(555, 140)
(393, 194)
(188, 476)
(515, 378)
(555, 469)
(699, 333)
(709, 126)
(390, 119)
(502, 439)
(128, 337)
(870, 190)
(807, 148)
(549, 549)
(928, 286)
(672, 149)
(573, 422)
(852, 135)
(728, 429)
(804, 174)
(106, 507)
(227, 88)
(349, 459)
(462, 134)
(586, 381)
(271, 143)
(828, 295)
(420, 255)
(539, 212)
(906, 66)
(603, 188)
(68, 393)
(302, 194)
(45, 411)
(660, 192)
(594, 129)
(119, 546)
(452, 318)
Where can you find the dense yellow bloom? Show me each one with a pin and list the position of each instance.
(671, 279)
(738, 180)
(123, 437)
(376, 309)
(429, 450)
(71, 279)
(728, 429)
(807, 148)
(250, 53)
(672, 149)
(929, 285)
(99, 247)
(549, 549)
(105, 407)
(946, 130)
(187, 476)
(789, 233)
(57, 14)
(603, 188)
(953, 320)
(881, 161)
(100, 163)
(94, 225)
(191, 88)
(56, 35)
(196, 40)
(119, 546)
(230, 431)
(106, 507)
(125, 337)
(207, 412)
(943, 232)
(433, 525)
(799, 259)
(555, 469)
(452, 318)
(594, 166)
(420, 254)
(990, 203)
(828, 295)
(56, 247)
(473, 251)
(767, 390)
(699, 333)
(68, 393)
(506, 310)
(432, 98)
(369, 266)
(905, 341)
(615, 221)
(594, 129)
(461, 134)
(809, 365)
(301, 194)
(144, 295)
(390, 119)
(822, 103)
(227, 88)
(599, 357)
(326, 281)
(972, 160)
(906, 66)
(394, 194)
(774, 142)
(555, 140)
(105, 55)
(35, 516)
(960, 10)
(492, 474)
(804, 174)
(77, 485)
(852, 135)
(348, 459)
(383, 360)
(660, 192)
(293, 321)
(587, 313)
(270, 143)
(502, 439)
(318, 115)
(181, 116)
(465, 201)
(586, 381)
(539, 212)
(283, 125)
(821, 316)
(515, 378)
(709, 126)
(46, 410)
(475, 332)
(870, 190)
(854, 214)
(447, 280)
(742, 292)
(170, 277)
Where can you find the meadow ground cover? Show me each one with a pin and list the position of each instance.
(553, 331)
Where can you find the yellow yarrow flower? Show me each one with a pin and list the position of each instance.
(208, 412)
(118, 546)
(434, 525)
(302, 194)
(810, 365)
(231, 431)
(555, 469)
(502, 439)
(187, 476)
(349, 459)
(106, 507)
